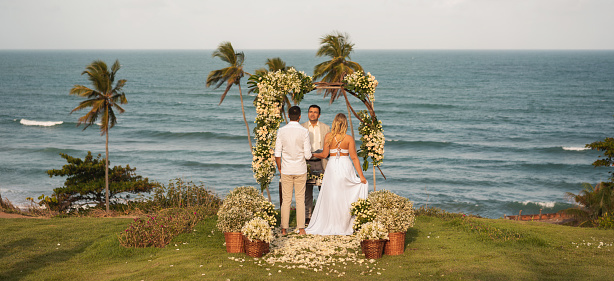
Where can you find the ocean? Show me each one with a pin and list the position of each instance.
(481, 132)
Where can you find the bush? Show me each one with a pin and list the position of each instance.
(158, 230)
(180, 194)
(606, 221)
(8, 207)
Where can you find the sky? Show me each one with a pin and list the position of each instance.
(288, 24)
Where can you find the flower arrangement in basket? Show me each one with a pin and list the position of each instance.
(396, 213)
(241, 205)
(372, 235)
(257, 235)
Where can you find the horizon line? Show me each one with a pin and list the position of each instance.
(258, 49)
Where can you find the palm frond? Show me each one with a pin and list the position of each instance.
(83, 91)
(225, 92)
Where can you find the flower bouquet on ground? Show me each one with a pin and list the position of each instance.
(239, 207)
(257, 235)
(372, 235)
(396, 213)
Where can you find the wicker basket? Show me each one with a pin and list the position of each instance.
(395, 245)
(234, 242)
(256, 248)
(372, 248)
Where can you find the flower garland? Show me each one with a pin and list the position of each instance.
(271, 89)
(361, 84)
(372, 140)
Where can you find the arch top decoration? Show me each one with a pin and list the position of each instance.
(272, 87)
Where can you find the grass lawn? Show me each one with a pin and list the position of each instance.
(83, 248)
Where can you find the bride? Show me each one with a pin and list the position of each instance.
(340, 185)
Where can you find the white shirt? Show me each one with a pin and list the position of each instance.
(314, 136)
(293, 146)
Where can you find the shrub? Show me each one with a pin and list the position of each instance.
(158, 230)
(180, 194)
(606, 221)
(436, 212)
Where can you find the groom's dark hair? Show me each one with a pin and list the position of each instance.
(294, 113)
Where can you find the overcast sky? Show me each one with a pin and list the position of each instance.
(287, 24)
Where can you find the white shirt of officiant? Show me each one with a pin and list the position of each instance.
(295, 150)
(314, 137)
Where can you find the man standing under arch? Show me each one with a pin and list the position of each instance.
(317, 132)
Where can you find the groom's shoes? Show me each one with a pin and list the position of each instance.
(301, 231)
(284, 232)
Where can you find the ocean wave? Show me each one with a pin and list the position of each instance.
(575, 148)
(168, 135)
(27, 122)
(541, 204)
(425, 144)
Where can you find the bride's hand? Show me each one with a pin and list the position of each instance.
(363, 180)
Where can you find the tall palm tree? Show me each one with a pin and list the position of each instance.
(230, 75)
(102, 99)
(338, 47)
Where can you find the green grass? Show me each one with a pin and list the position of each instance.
(436, 249)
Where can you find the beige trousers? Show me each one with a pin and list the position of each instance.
(288, 184)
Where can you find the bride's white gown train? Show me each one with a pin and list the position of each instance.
(340, 188)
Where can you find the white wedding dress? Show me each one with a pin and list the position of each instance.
(340, 188)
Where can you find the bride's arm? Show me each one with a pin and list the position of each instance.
(325, 149)
(354, 157)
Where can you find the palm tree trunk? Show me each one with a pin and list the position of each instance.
(249, 139)
(106, 170)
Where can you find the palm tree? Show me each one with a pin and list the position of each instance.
(593, 201)
(230, 75)
(102, 99)
(338, 47)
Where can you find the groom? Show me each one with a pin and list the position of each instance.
(292, 148)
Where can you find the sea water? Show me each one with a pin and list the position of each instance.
(481, 132)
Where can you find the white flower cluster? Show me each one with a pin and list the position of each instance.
(373, 230)
(239, 206)
(395, 212)
(598, 245)
(329, 254)
(272, 87)
(361, 84)
(257, 229)
(372, 139)
(266, 211)
(363, 212)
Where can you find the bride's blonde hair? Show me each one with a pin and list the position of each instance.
(338, 128)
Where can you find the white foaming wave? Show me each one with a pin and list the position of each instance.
(27, 122)
(575, 148)
(543, 204)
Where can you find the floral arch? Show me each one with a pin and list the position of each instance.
(272, 87)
